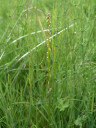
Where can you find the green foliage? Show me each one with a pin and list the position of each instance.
(80, 120)
(47, 77)
(62, 104)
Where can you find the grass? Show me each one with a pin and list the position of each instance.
(47, 64)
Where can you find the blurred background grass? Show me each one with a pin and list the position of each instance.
(53, 86)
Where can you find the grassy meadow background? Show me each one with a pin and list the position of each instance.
(47, 64)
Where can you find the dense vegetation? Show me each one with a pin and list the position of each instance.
(47, 64)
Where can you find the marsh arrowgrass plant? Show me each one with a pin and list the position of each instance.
(47, 69)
